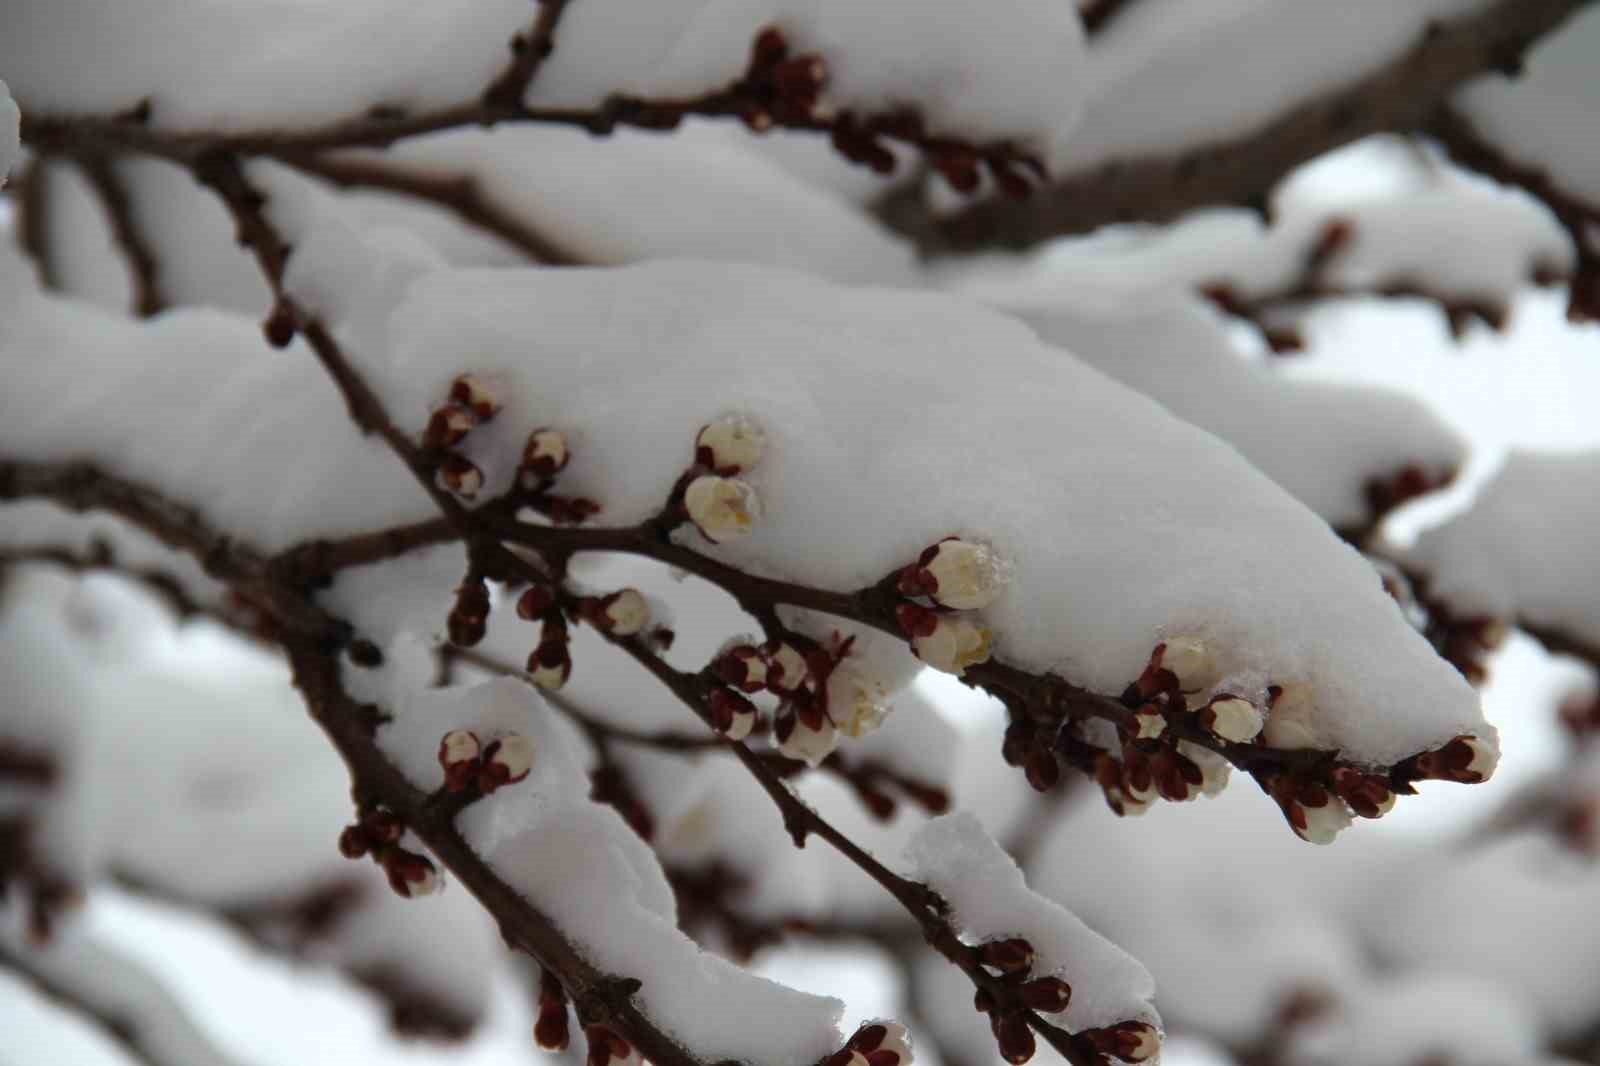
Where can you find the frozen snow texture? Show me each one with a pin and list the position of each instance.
(580, 864)
(1526, 548)
(1545, 117)
(10, 133)
(991, 901)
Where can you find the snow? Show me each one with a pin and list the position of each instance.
(955, 857)
(10, 133)
(1519, 550)
(1544, 117)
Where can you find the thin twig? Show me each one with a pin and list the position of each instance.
(144, 271)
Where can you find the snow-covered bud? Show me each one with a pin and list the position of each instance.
(550, 664)
(1315, 814)
(743, 667)
(1012, 1035)
(806, 734)
(1368, 795)
(1231, 718)
(1128, 1041)
(535, 601)
(545, 455)
(1214, 769)
(1290, 710)
(1465, 760)
(731, 714)
(855, 702)
(1049, 995)
(954, 645)
(354, 842)
(1149, 723)
(460, 476)
(458, 754)
(787, 669)
(954, 573)
(448, 427)
(1012, 955)
(730, 445)
(410, 874)
(623, 613)
(505, 761)
(473, 393)
(877, 1041)
(722, 508)
(1189, 659)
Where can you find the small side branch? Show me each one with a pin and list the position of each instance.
(112, 191)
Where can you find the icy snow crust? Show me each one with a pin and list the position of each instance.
(1524, 547)
(955, 857)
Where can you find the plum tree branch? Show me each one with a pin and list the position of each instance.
(112, 191)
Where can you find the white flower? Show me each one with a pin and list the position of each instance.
(855, 702)
(965, 576)
(1214, 769)
(809, 743)
(627, 612)
(1190, 661)
(1232, 718)
(550, 665)
(721, 507)
(458, 746)
(788, 670)
(954, 645)
(514, 756)
(1323, 823)
(1288, 725)
(730, 444)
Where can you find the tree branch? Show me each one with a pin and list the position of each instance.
(112, 192)
(1400, 96)
(30, 192)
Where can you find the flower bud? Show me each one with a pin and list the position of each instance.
(448, 426)
(1049, 995)
(551, 1030)
(731, 714)
(550, 665)
(625, 613)
(1368, 795)
(806, 734)
(883, 1044)
(1231, 718)
(787, 669)
(382, 826)
(458, 475)
(1041, 769)
(1189, 659)
(1214, 769)
(743, 667)
(954, 645)
(535, 601)
(506, 761)
(1288, 724)
(354, 842)
(955, 573)
(1128, 1041)
(544, 456)
(721, 508)
(1012, 955)
(458, 754)
(729, 445)
(1149, 722)
(1315, 814)
(855, 702)
(410, 874)
(1465, 760)
(1012, 1035)
(1176, 776)
(474, 394)
(915, 620)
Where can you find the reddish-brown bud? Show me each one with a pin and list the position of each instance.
(1013, 955)
(410, 874)
(550, 665)
(354, 842)
(535, 601)
(382, 826)
(506, 761)
(1049, 995)
(545, 455)
(1041, 769)
(1128, 1041)
(731, 714)
(1013, 1037)
(448, 427)
(460, 476)
(743, 667)
(458, 755)
(552, 1030)
(473, 393)
(916, 621)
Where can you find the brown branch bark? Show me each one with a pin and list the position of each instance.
(1098, 14)
(30, 192)
(1400, 95)
(144, 270)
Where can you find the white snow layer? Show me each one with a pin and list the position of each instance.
(955, 857)
(1526, 548)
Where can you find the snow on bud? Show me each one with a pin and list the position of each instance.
(731, 714)
(877, 1041)
(458, 755)
(1232, 718)
(1128, 1041)
(550, 665)
(730, 445)
(448, 427)
(1012, 955)
(410, 874)
(1189, 659)
(1214, 769)
(460, 476)
(506, 761)
(806, 734)
(1049, 995)
(721, 507)
(534, 602)
(855, 702)
(474, 394)
(954, 645)
(743, 667)
(544, 456)
(787, 669)
(954, 573)
(1288, 725)
(625, 613)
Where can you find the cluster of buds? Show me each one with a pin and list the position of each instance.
(1368, 795)
(544, 456)
(1314, 812)
(732, 715)
(780, 88)
(1030, 748)
(606, 1047)
(551, 1030)
(874, 1044)
(469, 618)
(822, 699)
(720, 504)
(805, 732)
(622, 614)
(550, 662)
(1466, 760)
(470, 403)
(951, 576)
(1128, 1041)
(470, 763)
(1016, 992)
(377, 833)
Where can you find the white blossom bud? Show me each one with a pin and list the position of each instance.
(473, 393)
(1128, 1041)
(807, 736)
(964, 576)
(954, 645)
(1150, 721)
(627, 612)
(1485, 757)
(544, 456)
(1323, 823)
(411, 875)
(788, 670)
(513, 757)
(730, 444)
(1232, 718)
(459, 476)
(1214, 769)
(897, 1040)
(458, 746)
(1288, 724)
(722, 507)
(550, 665)
(855, 702)
(1191, 662)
